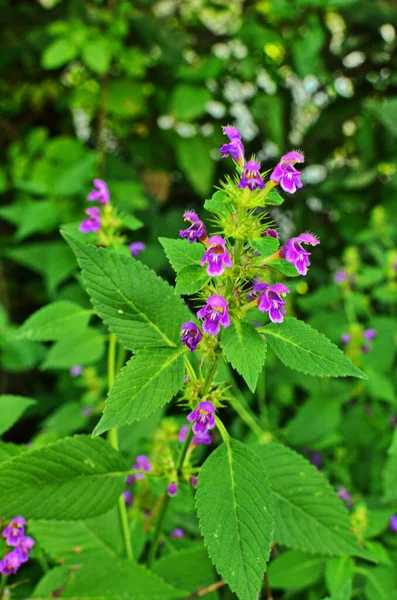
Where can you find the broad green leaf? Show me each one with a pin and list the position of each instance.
(193, 156)
(283, 266)
(59, 52)
(8, 451)
(316, 418)
(75, 478)
(266, 246)
(149, 380)
(338, 573)
(69, 541)
(187, 570)
(309, 516)
(127, 99)
(381, 583)
(235, 510)
(188, 101)
(84, 348)
(130, 222)
(245, 349)
(55, 321)
(294, 570)
(97, 55)
(137, 305)
(31, 217)
(66, 419)
(182, 253)
(301, 347)
(116, 579)
(390, 474)
(191, 279)
(53, 580)
(11, 409)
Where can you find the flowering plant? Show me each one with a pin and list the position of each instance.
(248, 497)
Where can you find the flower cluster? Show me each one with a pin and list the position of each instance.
(142, 463)
(22, 545)
(100, 194)
(367, 336)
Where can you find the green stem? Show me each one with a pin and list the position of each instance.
(189, 368)
(222, 430)
(166, 501)
(113, 441)
(246, 416)
(3, 582)
(121, 358)
(210, 376)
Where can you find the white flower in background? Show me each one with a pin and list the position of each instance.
(207, 129)
(315, 204)
(81, 122)
(354, 59)
(314, 174)
(221, 51)
(239, 50)
(211, 85)
(244, 121)
(186, 130)
(311, 84)
(388, 32)
(344, 87)
(165, 8)
(349, 127)
(264, 81)
(165, 122)
(268, 150)
(320, 99)
(215, 109)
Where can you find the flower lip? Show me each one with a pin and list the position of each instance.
(216, 240)
(231, 132)
(101, 194)
(292, 157)
(308, 238)
(217, 301)
(191, 216)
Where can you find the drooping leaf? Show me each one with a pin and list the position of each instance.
(182, 253)
(301, 347)
(191, 279)
(137, 305)
(74, 478)
(309, 516)
(265, 246)
(235, 510)
(84, 348)
(55, 321)
(11, 409)
(149, 380)
(294, 570)
(245, 349)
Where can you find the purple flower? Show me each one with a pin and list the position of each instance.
(76, 370)
(93, 223)
(251, 177)
(14, 531)
(270, 233)
(191, 335)
(316, 460)
(142, 463)
(183, 433)
(12, 561)
(370, 334)
(285, 173)
(172, 489)
(215, 313)
(197, 231)
(128, 498)
(270, 300)
(100, 194)
(86, 411)
(205, 439)
(295, 254)
(26, 544)
(193, 481)
(177, 533)
(136, 248)
(344, 494)
(340, 276)
(203, 418)
(216, 256)
(345, 337)
(365, 348)
(235, 148)
(393, 523)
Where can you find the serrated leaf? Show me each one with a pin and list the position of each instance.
(55, 321)
(128, 581)
(93, 538)
(266, 246)
(182, 253)
(191, 279)
(8, 451)
(149, 380)
(75, 478)
(283, 266)
(309, 516)
(187, 570)
(218, 203)
(245, 349)
(303, 348)
(138, 306)
(235, 510)
(11, 409)
(84, 348)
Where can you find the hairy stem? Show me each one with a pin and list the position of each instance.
(113, 441)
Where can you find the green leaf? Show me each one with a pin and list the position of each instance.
(135, 304)
(188, 101)
(11, 409)
(390, 474)
(187, 570)
(99, 537)
(127, 99)
(75, 478)
(8, 451)
(97, 55)
(218, 203)
(283, 266)
(313, 420)
(128, 581)
(338, 573)
(31, 217)
(182, 253)
(309, 515)
(193, 156)
(130, 222)
(53, 580)
(301, 347)
(274, 198)
(191, 279)
(55, 321)
(149, 380)
(381, 583)
(84, 348)
(294, 571)
(266, 246)
(245, 349)
(235, 510)
(59, 52)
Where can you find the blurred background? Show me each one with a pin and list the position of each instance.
(136, 93)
